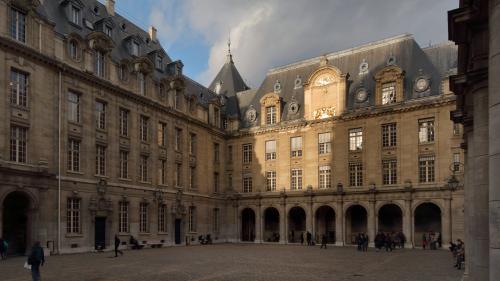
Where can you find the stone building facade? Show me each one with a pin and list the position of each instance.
(475, 28)
(102, 134)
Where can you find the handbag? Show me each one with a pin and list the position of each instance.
(27, 266)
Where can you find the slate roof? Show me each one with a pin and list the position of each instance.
(408, 55)
(96, 14)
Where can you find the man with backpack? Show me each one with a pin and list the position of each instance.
(35, 259)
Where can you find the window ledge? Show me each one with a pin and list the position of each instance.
(79, 124)
(74, 235)
(125, 179)
(20, 107)
(162, 233)
(75, 172)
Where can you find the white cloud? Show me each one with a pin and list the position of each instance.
(266, 34)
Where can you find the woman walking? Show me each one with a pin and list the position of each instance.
(36, 259)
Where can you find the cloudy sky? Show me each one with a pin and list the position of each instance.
(270, 33)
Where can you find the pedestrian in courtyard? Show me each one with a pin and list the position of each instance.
(36, 259)
(388, 243)
(439, 240)
(424, 240)
(365, 242)
(5, 246)
(117, 244)
(379, 241)
(301, 238)
(309, 238)
(323, 241)
(1, 248)
(402, 240)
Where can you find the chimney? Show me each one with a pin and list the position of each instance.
(152, 33)
(110, 6)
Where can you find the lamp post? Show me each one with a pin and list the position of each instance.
(453, 182)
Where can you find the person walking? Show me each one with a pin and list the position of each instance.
(323, 241)
(424, 240)
(365, 242)
(117, 244)
(5, 246)
(36, 259)
(309, 238)
(301, 238)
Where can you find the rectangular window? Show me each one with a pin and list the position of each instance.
(100, 112)
(355, 174)
(144, 128)
(99, 64)
(143, 168)
(18, 144)
(426, 130)
(177, 100)
(355, 139)
(162, 218)
(296, 179)
(426, 169)
(108, 30)
(247, 153)
(75, 15)
(192, 219)
(271, 115)
(73, 217)
(192, 144)
(73, 107)
(390, 172)
(217, 117)
(216, 219)
(324, 143)
(247, 184)
(100, 160)
(230, 181)
(141, 80)
(135, 48)
(230, 153)
(389, 135)
(178, 139)
(178, 174)
(296, 146)
(456, 129)
(271, 181)
(124, 122)
(192, 177)
(325, 177)
(73, 155)
(456, 162)
(216, 182)
(388, 93)
(18, 88)
(216, 152)
(18, 25)
(162, 134)
(159, 62)
(123, 164)
(271, 150)
(143, 218)
(123, 226)
(162, 172)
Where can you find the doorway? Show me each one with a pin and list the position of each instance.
(100, 233)
(178, 224)
(15, 222)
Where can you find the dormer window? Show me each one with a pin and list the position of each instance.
(123, 72)
(388, 93)
(270, 115)
(141, 80)
(135, 48)
(108, 30)
(75, 15)
(99, 64)
(18, 25)
(73, 50)
(159, 62)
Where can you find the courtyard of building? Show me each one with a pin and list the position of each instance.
(243, 262)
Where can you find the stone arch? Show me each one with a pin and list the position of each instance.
(356, 222)
(17, 218)
(325, 218)
(322, 70)
(390, 218)
(427, 220)
(297, 218)
(248, 225)
(271, 216)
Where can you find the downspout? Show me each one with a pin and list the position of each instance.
(59, 166)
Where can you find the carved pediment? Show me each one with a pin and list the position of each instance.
(142, 64)
(97, 40)
(270, 99)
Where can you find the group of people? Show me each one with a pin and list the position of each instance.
(362, 242)
(304, 237)
(458, 251)
(389, 241)
(4, 246)
(431, 240)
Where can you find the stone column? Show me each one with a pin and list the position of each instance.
(494, 139)
(236, 222)
(371, 217)
(283, 232)
(258, 225)
(339, 224)
(310, 219)
(407, 223)
(446, 221)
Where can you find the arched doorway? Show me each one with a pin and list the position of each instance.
(390, 219)
(325, 223)
(296, 224)
(427, 221)
(355, 222)
(247, 225)
(271, 225)
(15, 224)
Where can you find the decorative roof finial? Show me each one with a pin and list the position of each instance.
(229, 55)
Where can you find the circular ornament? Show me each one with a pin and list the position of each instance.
(251, 115)
(422, 84)
(361, 95)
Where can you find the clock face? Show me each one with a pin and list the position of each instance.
(323, 80)
(361, 95)
(422, 84)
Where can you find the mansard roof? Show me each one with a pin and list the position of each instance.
(434, 62)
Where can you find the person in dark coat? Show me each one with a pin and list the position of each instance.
(117, 244)
(302, 239)
(388, 243)
(323, 241)
(309, 237)
(365, 243)
(35, 259)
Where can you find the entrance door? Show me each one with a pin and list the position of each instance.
(100, 233)
(178, 232)
(15, 222)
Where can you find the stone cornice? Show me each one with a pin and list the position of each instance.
(26, 51)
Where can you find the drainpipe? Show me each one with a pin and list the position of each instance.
(59, 166)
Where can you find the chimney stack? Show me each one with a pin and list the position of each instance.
(152, 33)
(110, 6)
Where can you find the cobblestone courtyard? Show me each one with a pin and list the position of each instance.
(243, 262)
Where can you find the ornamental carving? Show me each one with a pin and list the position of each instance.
(326, 112)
